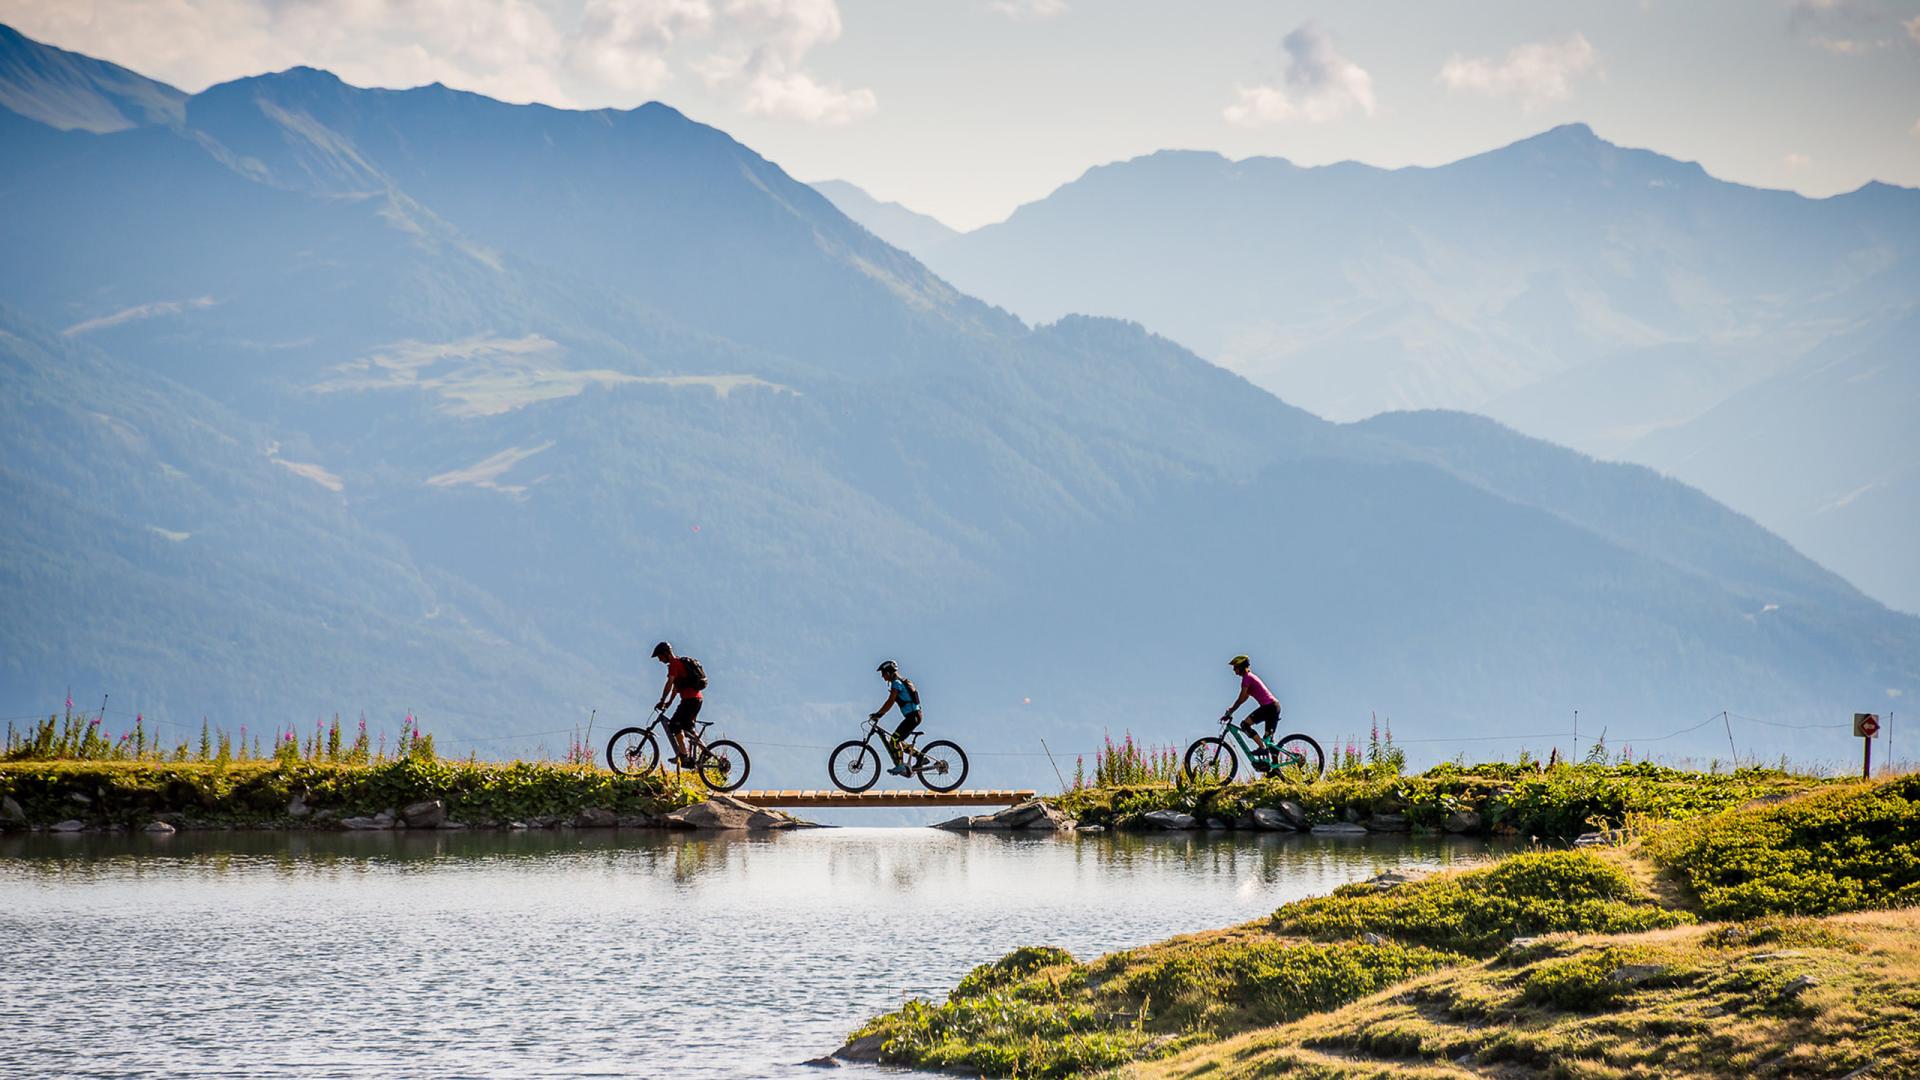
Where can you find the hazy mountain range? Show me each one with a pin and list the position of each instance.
(1614, 300)
(322, 398)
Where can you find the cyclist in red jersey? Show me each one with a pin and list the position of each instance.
(679, 681)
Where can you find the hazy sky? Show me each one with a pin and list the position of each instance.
(966, 108)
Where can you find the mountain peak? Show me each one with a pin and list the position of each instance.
(66, 90)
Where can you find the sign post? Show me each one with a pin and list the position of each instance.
(1866, 725)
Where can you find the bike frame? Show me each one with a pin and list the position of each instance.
(876, 730)
(699, 742)
(1272, 750)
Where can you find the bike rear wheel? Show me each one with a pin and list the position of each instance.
(942, 765)
(1299, 759)
(633, 752)
(1211, 760)
(724, 765)
(853, 766)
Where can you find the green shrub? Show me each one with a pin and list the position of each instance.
(1479, 911)
(1843, 850)
(1010, 969)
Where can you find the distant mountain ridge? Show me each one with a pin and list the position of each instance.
(1582, 292)
(69, 91)
(472, 402)
(905, 229)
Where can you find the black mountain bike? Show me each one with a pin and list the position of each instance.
(854, 765)
(1292, 757)
(721, 764)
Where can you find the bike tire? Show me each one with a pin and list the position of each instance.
(1313, 763)
(853, 766)
(638, 756)
(1211, 760)
(724, 765)
(944, 759)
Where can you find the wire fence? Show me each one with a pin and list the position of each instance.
(477, 744)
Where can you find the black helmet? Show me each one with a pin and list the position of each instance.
(662, 651)
(887, 667)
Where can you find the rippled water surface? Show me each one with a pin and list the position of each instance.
(570, 953)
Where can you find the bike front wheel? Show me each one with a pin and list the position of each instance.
(1211, 760)
(853, 766)
(724, 766)
(942, 766)
(633, 752)
(1299, 759)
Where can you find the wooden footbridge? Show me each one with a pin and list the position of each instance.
(883, 798)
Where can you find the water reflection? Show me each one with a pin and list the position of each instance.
(573, 952)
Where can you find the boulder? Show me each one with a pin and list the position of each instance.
(297, 806)
(386, 818)
(518, 825)
(1462, 821)
(1799, 986)
(364, 823)
(864, 1048)
(1340, 828)
(10, 810)
(67, 826)
(1218, 824)
(1090, 829)
(1387, 823)
(159, 828)
(1032, 814)
(595, 817)
(79, 798)
(1388, 880)
(1635, 974)
(1372, 938)
(453, 825)
(1295, 814)
(638, 821)
(1169, 819)
(425, 814)
(1271, 820)
(724, 812)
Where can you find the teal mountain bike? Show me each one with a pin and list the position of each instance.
(1293, 757)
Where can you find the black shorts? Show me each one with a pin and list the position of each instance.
(908, 724)
(684, 716)
(1265, 714)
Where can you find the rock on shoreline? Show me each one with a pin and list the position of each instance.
(1032, 815)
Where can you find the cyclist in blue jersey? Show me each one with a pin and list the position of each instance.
(900, 692)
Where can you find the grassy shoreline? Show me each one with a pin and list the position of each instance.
(1599, 962)
(299, 794)
(1560, 803)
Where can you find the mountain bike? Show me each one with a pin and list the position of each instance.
(722, 764)
(1294, 757)
(854, 765)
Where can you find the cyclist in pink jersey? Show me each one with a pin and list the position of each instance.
(1266, 706)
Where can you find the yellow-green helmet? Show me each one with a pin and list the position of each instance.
(1240, 661)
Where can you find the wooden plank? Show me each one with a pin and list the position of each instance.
(908, 797)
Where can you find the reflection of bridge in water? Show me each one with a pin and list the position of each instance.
(883, 798)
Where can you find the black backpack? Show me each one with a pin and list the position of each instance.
(913, 692)
(692, 675)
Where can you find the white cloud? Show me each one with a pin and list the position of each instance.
(1796, 160)
(1537, 72)
(1024, 10)
(623, 42)
(1844, 27)
(1318, 84)
(562, 52)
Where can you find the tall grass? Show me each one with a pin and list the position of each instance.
(82, 736)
